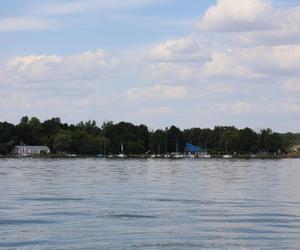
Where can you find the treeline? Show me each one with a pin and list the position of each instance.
(86, 138)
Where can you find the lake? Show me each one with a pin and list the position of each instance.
(149, 204)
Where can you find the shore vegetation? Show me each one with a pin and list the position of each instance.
(86, 138)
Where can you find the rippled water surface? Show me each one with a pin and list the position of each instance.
(149, 204)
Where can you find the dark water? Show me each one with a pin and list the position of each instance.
(149, 204)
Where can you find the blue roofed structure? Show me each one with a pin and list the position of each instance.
(190, 148)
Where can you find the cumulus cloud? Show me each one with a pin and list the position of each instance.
(256, 62)
(235, 16)
(52, 85)
(180, 50)
(256, 22)
(274, 59)
(54, 68)
(172, 72)
(242, 61)
(178, 60)
(225, 65)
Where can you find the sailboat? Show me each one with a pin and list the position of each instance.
(189, 155)
(227, 156)
(177, 155)
(153, 153)
(205, 154)
(121, 155)
(158, 155)
(167, 155)
(101, 155)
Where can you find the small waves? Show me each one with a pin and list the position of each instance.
(132, 204)
(18, 222)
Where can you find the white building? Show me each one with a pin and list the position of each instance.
(295, 148)
(30, 150)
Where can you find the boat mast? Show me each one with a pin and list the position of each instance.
(122, 149)
(166, 145)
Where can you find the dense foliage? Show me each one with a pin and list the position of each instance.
(86, 138)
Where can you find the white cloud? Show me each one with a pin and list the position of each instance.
(25, 24)
(98, 100)
(219, 88)
(256, 62)
(237, 108)
(235, 16)
(173, 64)
(272, 59)
(157, 91)
(287, 30)
(286, 106)
(180, 50)
(160, 110)
(172, 72)
(177, 61)
(53, 68)
(245, 56)
(256, 22)
(224, 64)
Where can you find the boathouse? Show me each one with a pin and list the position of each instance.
(30, 150)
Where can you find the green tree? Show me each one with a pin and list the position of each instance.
(62, 141)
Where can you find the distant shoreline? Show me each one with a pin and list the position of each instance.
(31, 136)
(128, 157)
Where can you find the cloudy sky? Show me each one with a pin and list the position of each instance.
(159, 62)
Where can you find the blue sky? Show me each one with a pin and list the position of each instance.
(159, 62)
(112, 29)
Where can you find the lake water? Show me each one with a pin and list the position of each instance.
(149, 204)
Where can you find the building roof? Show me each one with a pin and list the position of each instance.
(34, 147)
(192, 148)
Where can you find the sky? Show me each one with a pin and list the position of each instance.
(191, 63)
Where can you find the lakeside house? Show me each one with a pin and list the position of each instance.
(295, 148)
(30, 150)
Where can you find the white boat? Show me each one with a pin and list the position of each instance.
(227, 156)
(205, 156)
(71, 155)
(177, 156)
(122, 155)
(189, 156)
(167, 156)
